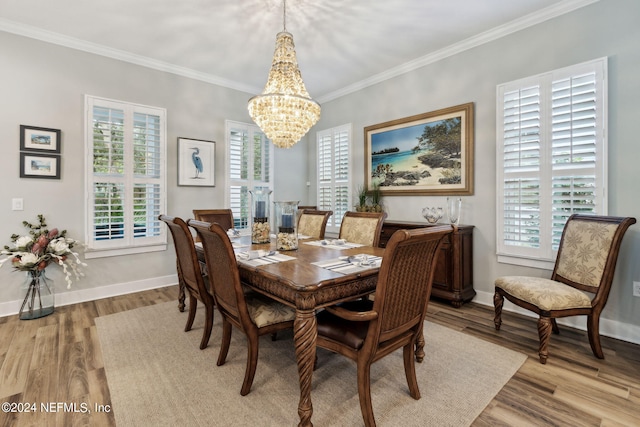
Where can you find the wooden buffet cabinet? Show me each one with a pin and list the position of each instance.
(453, 279)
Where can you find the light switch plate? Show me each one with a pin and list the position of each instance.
(17, 204)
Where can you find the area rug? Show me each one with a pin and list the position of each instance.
(158, 376)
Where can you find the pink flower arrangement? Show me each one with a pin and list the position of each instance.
(35, 251)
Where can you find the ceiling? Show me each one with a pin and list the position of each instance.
(341, 45)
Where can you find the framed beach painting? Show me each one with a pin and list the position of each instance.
(36, 165)
(34, 138)
(427, 154)
(196, 162)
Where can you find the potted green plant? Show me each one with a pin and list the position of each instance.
(362, 199)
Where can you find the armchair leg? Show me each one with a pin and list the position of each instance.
(208, 326)
(544, 332)
(252, 363)
(410, 371)
(554, 326)
(498, 301)
(593, 330)
(364, 392)
(193, 305)
(226, 342)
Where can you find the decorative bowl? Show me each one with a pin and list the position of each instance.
(432, 215)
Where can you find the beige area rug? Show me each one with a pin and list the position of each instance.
(158, 376)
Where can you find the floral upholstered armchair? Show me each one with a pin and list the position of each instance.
(580, 282)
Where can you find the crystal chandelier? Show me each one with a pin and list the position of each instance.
(284, 111)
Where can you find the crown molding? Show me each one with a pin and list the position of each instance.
(120, 55)
(535, 18)
(477, 40)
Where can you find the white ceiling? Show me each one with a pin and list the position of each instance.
(341, 45)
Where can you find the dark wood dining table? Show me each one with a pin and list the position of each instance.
(306, 287)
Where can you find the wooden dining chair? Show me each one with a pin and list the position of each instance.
(224, 217)
(190, 275)
(580, 282)
(252, 313)
(362, 227)
(313, 223)
(366, 331)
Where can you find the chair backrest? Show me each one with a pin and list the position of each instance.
(224, 217)
(404, 283)
(186, 255)
(224, 276)
(588, 252)
(362, 227)
(313, 223)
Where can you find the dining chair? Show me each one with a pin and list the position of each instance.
(252, 313)
(580, 282)
(191, 275)
(362, 227)
(365, 331)
(224, 217)
(313, 223)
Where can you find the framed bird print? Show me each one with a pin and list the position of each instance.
(196, 162)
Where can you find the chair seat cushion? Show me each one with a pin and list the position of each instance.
(544, 293)
(265, 311)
(344, 331)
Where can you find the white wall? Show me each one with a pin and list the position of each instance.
(607, 28)
(44, 85)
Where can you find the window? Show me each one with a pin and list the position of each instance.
(334, 173)
(250, 166)
(125, 182)
(552, 148)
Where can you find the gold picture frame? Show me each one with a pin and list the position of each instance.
(425, 154)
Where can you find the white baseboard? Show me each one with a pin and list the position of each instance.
(12, 307)
(608, 328)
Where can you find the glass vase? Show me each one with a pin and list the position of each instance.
(39, 299)
(286, 216)
(454, 206)
(260, 228)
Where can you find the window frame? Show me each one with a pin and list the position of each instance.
(129, 244)
(551, 221)
(335, 220)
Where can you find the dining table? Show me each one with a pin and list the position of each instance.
(307, 281)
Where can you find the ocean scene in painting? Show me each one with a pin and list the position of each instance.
(426, 154)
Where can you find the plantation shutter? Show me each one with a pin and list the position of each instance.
(574, 136)
(126, 177)
(552, 148)
(334, 173)
(250, 165)
(521, 160)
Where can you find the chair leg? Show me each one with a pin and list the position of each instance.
(410, 371)
(193, 305)
(554, 326)
(252, 363)
(498, 301)
(208, 325)
(226, 342)
(593, 330)
(544, 332)
(364, 393)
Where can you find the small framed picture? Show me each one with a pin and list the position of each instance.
(39, 139)
(39, 166)
(196, 162)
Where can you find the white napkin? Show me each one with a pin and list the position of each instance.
(334, 242)
(254, 254)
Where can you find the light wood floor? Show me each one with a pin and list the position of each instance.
(58, 359)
